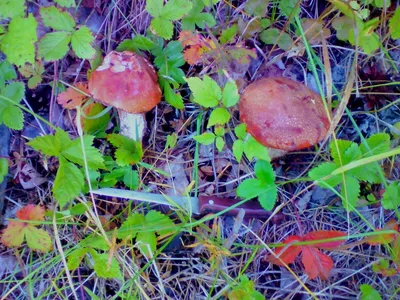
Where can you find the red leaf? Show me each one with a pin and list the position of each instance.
(31, 213)
(193, 54)
(72, 98)
(188, 38)
(316, 264)
(323, 235)
(383, 238)
(289, 254)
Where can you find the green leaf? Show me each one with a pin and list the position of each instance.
(394, 24)
(325, 169)
(289, 8)
(251, 188)
(197, 17)
(369, 293)
(391, 197)
(274, 36)
(256, 8)
(38, 239)
(173, 98)
(18, 44)
(171, 141)
(268, 198)
(74, 153)
(351, 154)
(68, 183)
(47, 144)
(54, 45)
(206, 92)
(175, 9)
(168, 60)
(75, 258)
(81, 41)
(13, 117)
(377, 143)
(95, 241)
(228, 34)
(138, 42)
(350, 192)
(368, 173)
(237, 150)
(162, 27)
(240, 131)
(12, 8)
(162, 224)
(131, 226)
(7, 72)
(3, 168)
(206, 138)
(131, 179)
(219, 116)
(14, 91)
(128, 151)
(381, 3)
(219, 131)
(230, 94)
(65, 3)
(264, 171)
(219, 143)
(98, 125)
(147, 243)
(252, 149)
(104, 268)
(341, 147)
(54, 18)
(343, 25)
(154, 7)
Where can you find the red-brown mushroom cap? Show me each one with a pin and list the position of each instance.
(284, 114)
(126, 81)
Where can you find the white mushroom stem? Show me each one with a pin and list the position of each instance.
(132, 125)
(276, 153)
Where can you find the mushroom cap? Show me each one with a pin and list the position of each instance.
(284, 114)
(126, 81)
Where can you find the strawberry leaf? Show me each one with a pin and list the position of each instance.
(128, 151)
(391, 197)
(286, 254)
(52, 17)
(316, 264)
(323, 235)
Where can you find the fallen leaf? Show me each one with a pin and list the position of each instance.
(382, 239)
(316, 264)
(17, 230)
(286, 254)
(324, 235)
(73, 97)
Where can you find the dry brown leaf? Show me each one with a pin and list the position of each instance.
(73, 97)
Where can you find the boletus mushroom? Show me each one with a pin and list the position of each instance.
(128, 82)
(283, 114)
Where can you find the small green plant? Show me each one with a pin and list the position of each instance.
(244, 290)
(344, 152)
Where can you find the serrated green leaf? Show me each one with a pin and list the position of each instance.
(147, 243)
(230, 94)
(219, 143)
(47, 145)
(18, 44)
(138, 42)
(219, 116)
(162, 27)
(12, 8)
(75, 258)
(131, 179)
(162, 224)
(206, 138)
(369, 293)
(54, 18)
(274, 36)
(391, 197)
(68, 183)
(104, 268)
(13, 117)
(368, 173)
(252, 149)
(256, 8)
(154, 7)
(394, 24)
(38, 239)
(197, 17)
(14, 91)
(7, 72)
(377, 143)
(96, 242)
(54, 45)
(206, 92)
(240, 131)
(73, 152)
(325, 169)
(351, 154)
(251, 188)
(228, 34)
(343, 25)
(341, 147)
(350, 191)
(264, 171)
(3, 168)
(173, 98)
(128, 151)
(81, 43)
(131, 226)
(237, 150)
(175, 9)
(65, 3)
(268, 198)
(289, 8)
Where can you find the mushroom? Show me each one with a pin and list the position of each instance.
(128, 82)
(283, 114)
